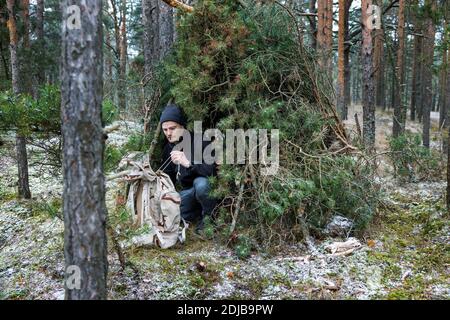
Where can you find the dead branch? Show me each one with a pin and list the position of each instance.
(179, 5)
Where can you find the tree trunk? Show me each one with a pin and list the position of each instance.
(341, 62)
(5, 62)
(347, 69)
(150, 18)
(447, 106)
(40, 73)
(368, 83)
(40, 20)
(115, 16)
(380, 99)
(123, 58)
(420, 86)
(166, 28)
(443, 81)
(428, 74)
(26, 22)
(21, 150)
(399, 119)
(84, 206)
(108, 59)
(313, 24)
(415, 93)
(325, 33)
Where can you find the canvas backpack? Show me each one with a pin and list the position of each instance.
(154, 202)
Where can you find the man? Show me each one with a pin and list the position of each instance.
(196, 203)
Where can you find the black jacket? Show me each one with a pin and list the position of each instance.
(187, 175)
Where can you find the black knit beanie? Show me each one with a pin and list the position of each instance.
(173, 113)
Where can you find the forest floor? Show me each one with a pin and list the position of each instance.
(403, 255)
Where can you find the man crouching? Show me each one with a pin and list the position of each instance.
(196, 203)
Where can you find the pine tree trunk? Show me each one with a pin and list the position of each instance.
(26, 22)
(415, 75)
(84, 186)
(123, 58)
(5, 62)
(399, 118)
(313, 24)
(347, 69)
(447, 106)
(341, 107)
(380, 99)
(443, 82)
(40, 7)
(420, 86)
(108, 59)
(325, 33)
(150, 17)
(21, 150)
(40, 73)
(428, 74)
(368, 81)
(166, 28)
(115, 16)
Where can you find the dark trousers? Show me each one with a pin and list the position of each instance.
(195, 201)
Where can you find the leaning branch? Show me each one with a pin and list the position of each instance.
(179, 5)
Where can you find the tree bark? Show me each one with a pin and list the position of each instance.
(313, 24)
(123, 58)
(26, 22)
(84, 186)
(447, 106)
(325, 33)
(21, 150)
(108, 59)
(428, 74)
(40, 8)
(166, 28)
(368, 81)
(5, 62)
(443, 81)
(347, 69)
(380, 99)
(341, 62)
(416, 79)
(399, 119)
(150, 19)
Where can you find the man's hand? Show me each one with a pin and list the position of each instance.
(178, 157)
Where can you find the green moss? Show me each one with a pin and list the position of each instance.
(7, 196)
(46, 209)
(408, 241)
(16, 294)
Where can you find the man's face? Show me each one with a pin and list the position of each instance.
(172, 130)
